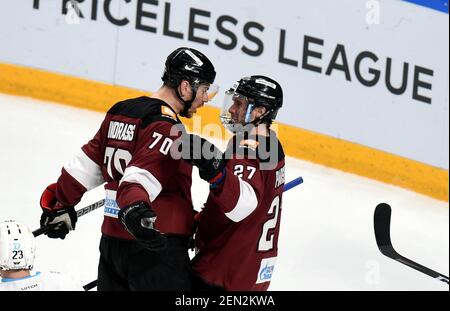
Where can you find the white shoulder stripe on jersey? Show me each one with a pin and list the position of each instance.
(143, 177)
(85, 171)
(246, 204)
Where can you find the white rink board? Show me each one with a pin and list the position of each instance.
(243, 38)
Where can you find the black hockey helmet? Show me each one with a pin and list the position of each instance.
(188, 64)
(262, 91)
(254, 91)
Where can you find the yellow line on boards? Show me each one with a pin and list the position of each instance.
(298, 143)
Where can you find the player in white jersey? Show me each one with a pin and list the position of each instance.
(17, 253)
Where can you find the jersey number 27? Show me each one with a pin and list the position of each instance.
(266, 242)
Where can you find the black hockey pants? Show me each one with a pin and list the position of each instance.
(126, 265)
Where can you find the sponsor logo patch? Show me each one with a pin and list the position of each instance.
(111, 207)
(266, 270)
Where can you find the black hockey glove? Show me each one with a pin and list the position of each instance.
(139, 219)
(54, 212)
(66, 215)
(204, 155)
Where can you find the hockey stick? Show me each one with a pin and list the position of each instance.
(288, 186)
(80, 213)
(382, 225)
(293, 183)
(90, 285)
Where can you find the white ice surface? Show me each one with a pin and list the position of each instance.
(326, 241)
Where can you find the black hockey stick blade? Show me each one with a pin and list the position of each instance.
(90, 285)
(382, 226)
(80, 213)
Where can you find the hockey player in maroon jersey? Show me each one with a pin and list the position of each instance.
(239, 225)
(148, 209)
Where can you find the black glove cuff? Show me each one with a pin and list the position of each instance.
(124, 212)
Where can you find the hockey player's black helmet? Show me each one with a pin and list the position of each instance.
(188, 64)
(254, 91)
(262, 91)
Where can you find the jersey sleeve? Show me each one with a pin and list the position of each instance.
(241, 191)
(152, 166)
(83, 171)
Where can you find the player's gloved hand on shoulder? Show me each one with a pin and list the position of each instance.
(54, 212)
(138, 218)
(204, 155)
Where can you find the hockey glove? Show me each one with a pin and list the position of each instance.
(139, 219)
(204, 155)
(54, 212)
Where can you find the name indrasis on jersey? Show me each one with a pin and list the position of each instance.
(121, 131)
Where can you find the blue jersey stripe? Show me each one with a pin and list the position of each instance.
(439, 5)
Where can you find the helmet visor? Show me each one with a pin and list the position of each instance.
(236, 111)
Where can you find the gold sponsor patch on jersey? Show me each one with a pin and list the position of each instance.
(250, 143)
(167, 112)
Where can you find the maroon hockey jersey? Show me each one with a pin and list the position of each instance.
(238, 232)
(131, 153)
